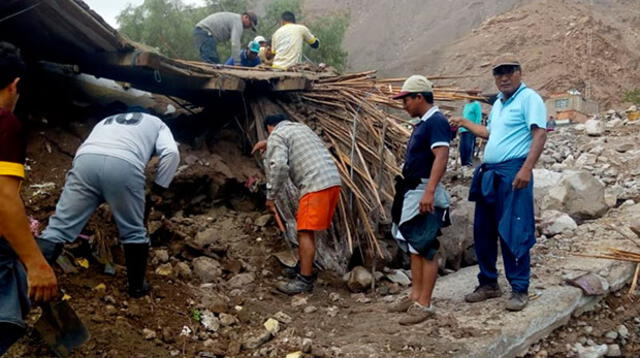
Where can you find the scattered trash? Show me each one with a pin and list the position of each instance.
(186, 331)
(82, 262)
(34, 225)
(297, 354)
(210, 321)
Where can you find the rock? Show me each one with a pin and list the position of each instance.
(282, 317)
(591, 284)
(611, 335)
(623, 331)
(594, 127)
(182, 270)
(613, 350)
(241, 280)
(399, 277)
(161, 255)
(263, 220)
(555, 222)
(168, 336)
(207, 269)
(614, 122)
(272, 326)
(310, 309)
(334, 296)
(227, 319)
(592, 351)
(298, 354)
(585, 159)
(457, 239)
(210, 240)
(359, 279)
(579, 194)
(332, 311)
(164, 269)
(210, 321)
(257, 341)
(148, 334)
(298, 300)
(306, 345)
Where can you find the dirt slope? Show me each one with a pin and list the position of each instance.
(589, 45)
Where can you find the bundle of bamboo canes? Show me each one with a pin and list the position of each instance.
(352, 114)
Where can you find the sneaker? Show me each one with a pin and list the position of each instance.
(517, 301)
(291, 272)
(401, 306)
(484, 292)
(296, 285)
(417, 314)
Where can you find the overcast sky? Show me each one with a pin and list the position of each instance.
(109, 9)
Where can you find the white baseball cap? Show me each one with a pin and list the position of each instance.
(414, 84)
(259, 39)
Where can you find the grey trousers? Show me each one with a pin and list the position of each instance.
(93, 180)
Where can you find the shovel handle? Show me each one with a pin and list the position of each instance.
(276, 215)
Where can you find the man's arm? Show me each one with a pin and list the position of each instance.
(236, 37)
(477, 129)
(437, 172)
(311, 39)
(537, 146)
(14, 227)
(276, 165)
(167, 150)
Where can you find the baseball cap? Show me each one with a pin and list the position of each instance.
(507, 59)
(414, 84)
(259, 39)
(254, 47)
(254, 19)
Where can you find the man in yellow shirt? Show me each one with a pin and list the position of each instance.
(287, 41)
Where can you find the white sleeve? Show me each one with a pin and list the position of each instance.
(236, 37)
(167, 150)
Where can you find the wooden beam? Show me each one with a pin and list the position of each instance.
(291, 84)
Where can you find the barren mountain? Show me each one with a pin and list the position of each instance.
(589, 45)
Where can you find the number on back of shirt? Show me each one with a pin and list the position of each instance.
(128, 119)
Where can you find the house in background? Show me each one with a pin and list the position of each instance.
(571, 106)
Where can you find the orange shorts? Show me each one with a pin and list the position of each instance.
(316, 209)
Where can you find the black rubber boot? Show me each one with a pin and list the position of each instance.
(50, 250)
(136, 259)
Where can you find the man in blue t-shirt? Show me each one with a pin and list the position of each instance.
(502, 186)
(248, 56)
(420, 201)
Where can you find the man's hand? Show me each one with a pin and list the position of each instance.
(456, 121)
(427, 202)
(522, 178)
(43, 285)
(260, 146)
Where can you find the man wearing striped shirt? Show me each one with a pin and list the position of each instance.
(294, 151)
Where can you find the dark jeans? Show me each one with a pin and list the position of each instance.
(486, 237)
(467, 146)
(206, 45)
(14, 302)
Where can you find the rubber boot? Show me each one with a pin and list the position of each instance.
(50, 250)
(136, 260)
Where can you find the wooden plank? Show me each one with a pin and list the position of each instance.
(292, 84)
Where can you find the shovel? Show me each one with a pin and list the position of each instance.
(61, 328)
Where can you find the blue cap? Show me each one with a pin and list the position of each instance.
(254, 47)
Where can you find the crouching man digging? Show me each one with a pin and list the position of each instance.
(421, 202)
(294, 151)
(502, 186)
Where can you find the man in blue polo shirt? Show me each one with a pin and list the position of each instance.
(502, 186)
(420, 202)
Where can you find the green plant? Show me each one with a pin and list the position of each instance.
(196, 314)
(632, 96)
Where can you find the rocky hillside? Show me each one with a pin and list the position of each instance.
(589, 45)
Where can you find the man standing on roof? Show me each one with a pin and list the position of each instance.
(294, 151)
(109, 167)
(502, 186)
(220, 27)
(24, 272)
(287, 42)
(248, 56)
(421, 203)
(473, 112)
